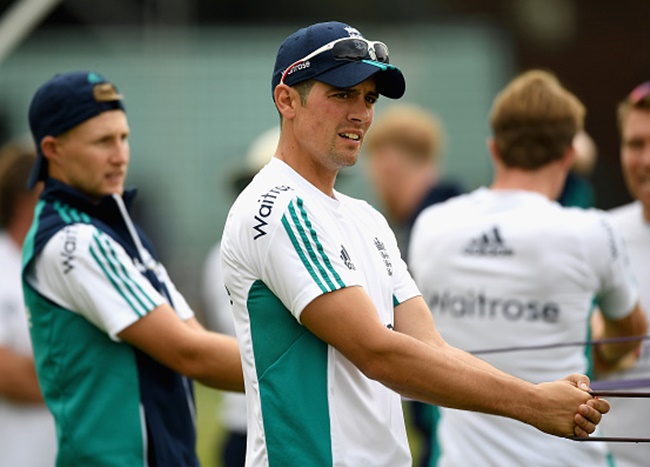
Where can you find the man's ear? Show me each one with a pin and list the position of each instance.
(50, 148)
(569, 158)
(286, 100)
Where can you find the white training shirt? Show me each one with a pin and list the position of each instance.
(284, 244)
(86, 257)
(510, 268)
(629, 417)
(27, 435)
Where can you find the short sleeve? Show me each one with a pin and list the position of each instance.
(618, 290)
(404, 286)
(181, 307)
(87, 272)
(304, 258)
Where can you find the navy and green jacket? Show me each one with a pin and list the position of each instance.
(112, 403)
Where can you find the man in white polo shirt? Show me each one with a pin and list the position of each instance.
(633, 220)
(507, 266)
(331, 327)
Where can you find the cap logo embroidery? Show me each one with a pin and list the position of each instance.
(106, 92)
(353, 32)
(298, 67)
(94, 78)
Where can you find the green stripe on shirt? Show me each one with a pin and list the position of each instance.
(319, 245)
(121, 284)
(301, 254)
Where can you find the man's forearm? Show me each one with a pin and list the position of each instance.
(221, 368)
(446, 376)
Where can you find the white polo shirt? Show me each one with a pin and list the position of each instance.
(27, 436)
(510, 268)
(628, 417)
(284, 244)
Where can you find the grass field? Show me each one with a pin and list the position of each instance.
(209, 430)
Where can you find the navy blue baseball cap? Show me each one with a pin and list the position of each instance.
(62, 103)
(326, 68)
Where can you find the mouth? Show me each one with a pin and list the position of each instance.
(115, 177)
(351, 136)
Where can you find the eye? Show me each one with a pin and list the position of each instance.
(372, 99)
(634, 144)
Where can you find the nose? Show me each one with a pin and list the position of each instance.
(362, 111)
(120, 153)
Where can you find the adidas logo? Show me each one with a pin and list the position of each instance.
(346, 259)
(489, 243)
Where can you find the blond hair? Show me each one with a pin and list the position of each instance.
(534, 120)
(414, 130)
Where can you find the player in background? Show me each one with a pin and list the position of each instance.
(507, 266)
(633, 221)
(27, 436)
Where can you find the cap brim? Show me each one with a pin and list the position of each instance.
(390, 80)
(39, 170)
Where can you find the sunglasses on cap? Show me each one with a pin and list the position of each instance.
(346, 48)
(642, 91)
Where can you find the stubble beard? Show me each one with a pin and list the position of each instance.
(340, 158)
